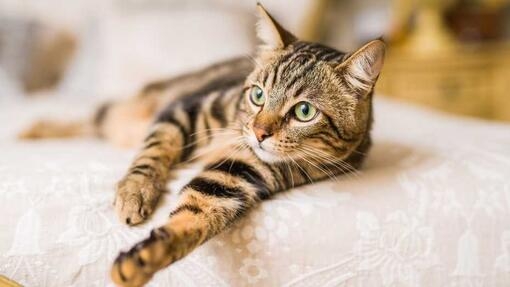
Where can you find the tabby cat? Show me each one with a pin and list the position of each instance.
(296, 113)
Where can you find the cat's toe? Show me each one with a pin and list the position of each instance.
(135, 201)
(129, 209)
(137, 266)
(127, 272)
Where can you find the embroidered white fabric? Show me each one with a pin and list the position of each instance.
(430, 208)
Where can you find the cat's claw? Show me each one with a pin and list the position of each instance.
(135, 200)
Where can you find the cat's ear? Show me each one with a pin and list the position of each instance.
(361, 69)
(271, 32)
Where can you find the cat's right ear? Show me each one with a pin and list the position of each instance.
(271, 32)
(362, 68)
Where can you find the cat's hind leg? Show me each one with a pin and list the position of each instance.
(44, 129)
(123, 123)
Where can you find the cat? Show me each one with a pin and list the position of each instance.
(296, 113)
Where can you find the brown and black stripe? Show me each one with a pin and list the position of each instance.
(234, 179)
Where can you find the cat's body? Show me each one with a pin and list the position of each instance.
(125, 123)
(297, 113)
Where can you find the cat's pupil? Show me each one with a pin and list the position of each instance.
(305, 109)
(258, 93)
(257, 96)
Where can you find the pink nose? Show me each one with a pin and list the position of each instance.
(261, 134)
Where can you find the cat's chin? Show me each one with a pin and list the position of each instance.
(266, 156)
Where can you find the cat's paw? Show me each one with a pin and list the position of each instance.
(137, 266)
(136, 199)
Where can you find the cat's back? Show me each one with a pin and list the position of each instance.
(215, 77)
(125, 123)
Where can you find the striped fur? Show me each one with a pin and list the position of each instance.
(235, 178)
(208, 115)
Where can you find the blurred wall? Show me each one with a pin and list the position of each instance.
(348, 24)
(123, 44)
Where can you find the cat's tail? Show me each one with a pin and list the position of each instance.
(47, 129)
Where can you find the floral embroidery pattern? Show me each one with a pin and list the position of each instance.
(419, 214)
(252, 270)
(399, 247)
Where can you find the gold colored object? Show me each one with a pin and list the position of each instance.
(428, 66)
(430, 34)
(469, 80)
(312, 25)
(6, 282)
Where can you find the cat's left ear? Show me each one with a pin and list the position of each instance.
(362, 68)
(271, 32)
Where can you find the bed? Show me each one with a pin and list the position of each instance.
(431, 207)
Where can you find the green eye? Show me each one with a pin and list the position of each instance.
(304, 111)
(257, 96)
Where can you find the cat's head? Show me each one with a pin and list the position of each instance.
(306, 100)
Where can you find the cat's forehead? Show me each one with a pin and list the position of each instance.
(297, 62)
(305, 50)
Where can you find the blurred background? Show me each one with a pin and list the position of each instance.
(452, 55)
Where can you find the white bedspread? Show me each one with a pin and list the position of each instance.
(430, 208)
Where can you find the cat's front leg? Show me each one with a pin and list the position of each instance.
(136, 197)
(138, 192)
(210, 203)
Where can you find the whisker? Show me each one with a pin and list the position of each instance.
(345, 170)
(327, 172)
(208, 149)
(302, 169)
(291, 173)
(215, 130)
(334, 161)
(216, 135)
(325, 158)
(237, 148)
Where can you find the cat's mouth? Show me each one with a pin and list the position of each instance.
(264, 151)
(266, 155)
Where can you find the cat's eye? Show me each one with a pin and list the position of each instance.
(257, 96)
(304, 111)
